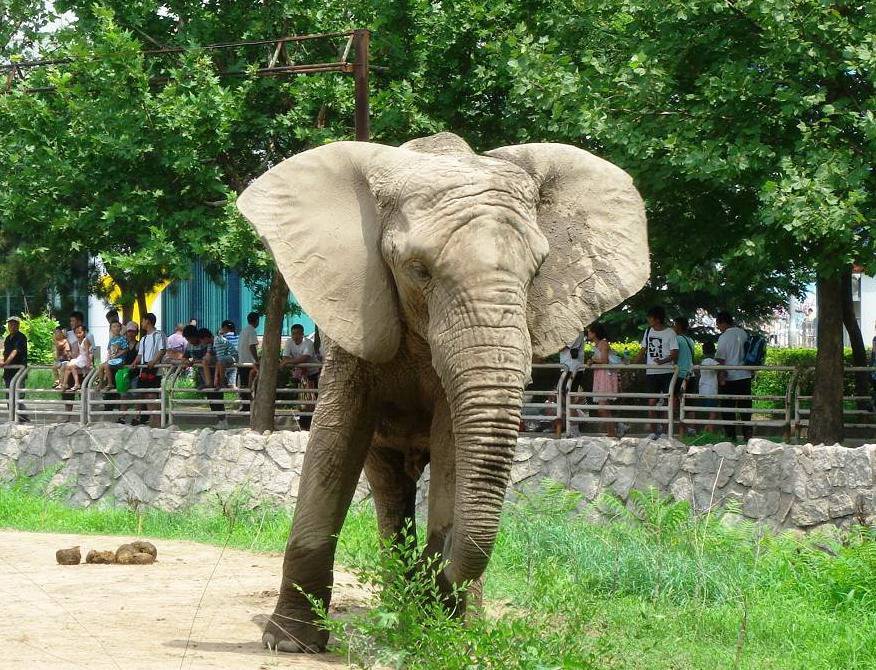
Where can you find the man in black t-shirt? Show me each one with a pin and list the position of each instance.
(14, 350)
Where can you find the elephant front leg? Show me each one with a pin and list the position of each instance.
(341, 432)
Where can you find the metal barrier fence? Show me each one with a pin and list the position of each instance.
(543, 408)
(595, 406)
(7, 399)
(104, 402)
(854, 405)
(557, 400)
(721, 409)
(40, 397)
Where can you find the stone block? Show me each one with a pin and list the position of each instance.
(682, 488)
(840, 504)
(786, 501)
(137, 441)
(666, 469)
(857, 464)
(587, 484)
(558, 470)
(700, 460)
(595, 457)
(760, 504)
(624, 453)
(522, 455)
(548, 452)
(727, 450)
(279, 455)
(810, 512)
(566, 445)
(525, 470)
(760, 446)
(131, 487)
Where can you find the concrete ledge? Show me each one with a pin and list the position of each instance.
(783, 486)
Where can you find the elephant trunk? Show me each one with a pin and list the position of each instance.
(483, 370)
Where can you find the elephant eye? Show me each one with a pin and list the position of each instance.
(419, 271)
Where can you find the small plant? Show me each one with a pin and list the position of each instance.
(413, 625)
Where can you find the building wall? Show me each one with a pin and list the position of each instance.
(210, 302)
(868, 308)
(95, 318)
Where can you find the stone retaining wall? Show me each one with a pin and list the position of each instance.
(781, 485)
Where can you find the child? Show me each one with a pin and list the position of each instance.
(62, 354)
(709, 381)
(75, 368)
(207, 355)
(117, 348)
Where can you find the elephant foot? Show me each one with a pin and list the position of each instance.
(293, 631)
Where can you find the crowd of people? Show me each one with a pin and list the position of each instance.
(139, 355)
(663, 347)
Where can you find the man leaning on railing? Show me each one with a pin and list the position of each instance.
(150, 351)
(14, 353)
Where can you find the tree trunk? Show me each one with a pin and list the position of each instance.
(262, 417)
(856, 339)
(826, 420)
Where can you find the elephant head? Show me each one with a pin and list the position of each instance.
(488, 259)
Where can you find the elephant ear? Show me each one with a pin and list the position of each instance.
(594, 221)
(318, 217)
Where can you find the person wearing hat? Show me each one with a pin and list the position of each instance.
(14, 350)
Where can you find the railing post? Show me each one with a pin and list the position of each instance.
(789, 393)
(16, 383)
(162, 398)
(83, 395)
(560, 420)
(671, 408)
(11, 391)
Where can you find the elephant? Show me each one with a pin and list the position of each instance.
(435, 274)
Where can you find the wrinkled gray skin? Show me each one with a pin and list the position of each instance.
(430, 328)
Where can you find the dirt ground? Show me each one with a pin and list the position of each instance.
(132, 617)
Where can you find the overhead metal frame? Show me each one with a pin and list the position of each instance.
(279, 64)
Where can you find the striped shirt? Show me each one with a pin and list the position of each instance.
(234, 338)
(225, 351)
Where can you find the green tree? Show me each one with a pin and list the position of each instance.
(763, 107)
(111, 165)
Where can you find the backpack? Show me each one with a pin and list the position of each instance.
(754, 350)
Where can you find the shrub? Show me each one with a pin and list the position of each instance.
(39, 330)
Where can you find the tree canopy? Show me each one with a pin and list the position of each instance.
(747, 124)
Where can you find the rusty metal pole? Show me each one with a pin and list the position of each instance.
(360, 75)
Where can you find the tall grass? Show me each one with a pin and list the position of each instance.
(648, 586)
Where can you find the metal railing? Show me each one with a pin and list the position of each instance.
(862, 405)
(725, 406)
(7, 399)
(543, 408)
(107, 403)
(232, 400)
(583, 407)
(552, 403)
(37, 400)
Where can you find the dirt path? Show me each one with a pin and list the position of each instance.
(134, 617)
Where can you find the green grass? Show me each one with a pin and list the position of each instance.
(653, 588)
